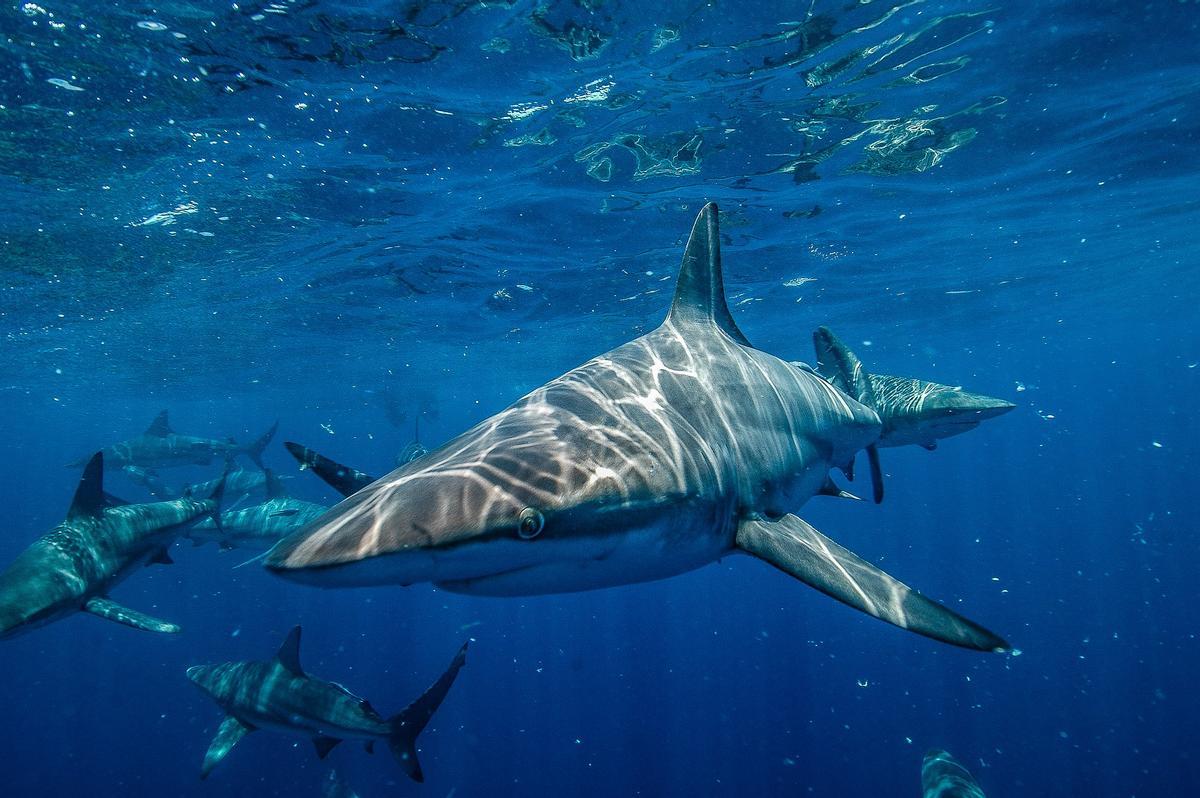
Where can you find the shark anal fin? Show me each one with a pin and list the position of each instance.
(160, 427)
(876, 473)
(112, 611)
(324, 745)
(161, 557)
(231, 732)
(795, 547)
(289, 654)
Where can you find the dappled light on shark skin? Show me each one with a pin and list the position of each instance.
(653, 459)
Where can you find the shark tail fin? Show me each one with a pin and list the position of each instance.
(254, 450)
(412, 720)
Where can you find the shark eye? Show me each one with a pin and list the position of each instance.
(530, 524)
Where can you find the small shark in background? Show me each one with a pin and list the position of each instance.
(260, 526)
(336, 787)
(279, 695)
(943, 777)
(240, 482)
(161, 447)
(656, 458)
(414, 450)
(102, 541)
(344, 479)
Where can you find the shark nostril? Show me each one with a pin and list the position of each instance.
(530, 524)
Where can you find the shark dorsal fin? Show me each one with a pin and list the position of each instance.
(289, 653)
(160, 427)
(89, 496)
(275, 489)
(700, 292)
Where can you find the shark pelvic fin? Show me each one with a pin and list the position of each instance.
(411, 721)
(160, 427)
(830, 488)
(112, 611)
(231, 732)
(345, 480)
(876, 473)
(89, 495)
(289, 653)
(795, 547)
(324, 745)
(700, 291)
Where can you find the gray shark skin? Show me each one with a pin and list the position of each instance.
(280, 696)
(261, 526)
(943, 777)
(344, 479)
(74, 566)
(238, 482)
(161, 447)
(912, 411)
(658, 457)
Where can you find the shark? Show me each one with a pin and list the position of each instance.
(279, 695)
(943, 777)
(661, 456)
(260, 526)
(415, 449)
(162, 447)
(101, 542)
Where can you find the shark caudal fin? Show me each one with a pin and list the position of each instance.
(254, 450)
(411, 721)
(345, 480)
(912, 411)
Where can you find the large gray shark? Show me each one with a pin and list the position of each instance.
(161, 447)
(943, 777)
(661, 456)
(279, 695)
(260, 526)
(74, 566)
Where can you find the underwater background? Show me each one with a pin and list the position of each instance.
(350, 216)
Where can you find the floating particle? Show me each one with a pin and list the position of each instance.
(146, 24)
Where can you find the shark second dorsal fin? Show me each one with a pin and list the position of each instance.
(289, 653)
(700, 292)
(89, 496)
(160, 427)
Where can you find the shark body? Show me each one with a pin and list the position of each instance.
(278, 695)
(658, 457)
(161, 447)
(100, 543)
(260, 526)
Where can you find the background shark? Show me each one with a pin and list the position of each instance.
(943, 777)
(161, 447)
(101, 542)
(261, 526)
(661, 456)
(279, 695)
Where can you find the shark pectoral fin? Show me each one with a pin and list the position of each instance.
(111, 610)
(324, 745)
(232, 730)
(795, 547)
(876, 473)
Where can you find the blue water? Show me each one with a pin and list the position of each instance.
(347, 215)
